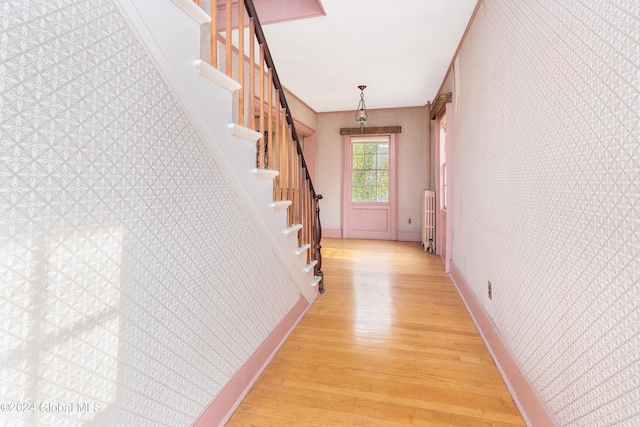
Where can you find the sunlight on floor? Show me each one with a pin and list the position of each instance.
(374, 306)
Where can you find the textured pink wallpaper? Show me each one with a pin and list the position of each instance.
(546, 185)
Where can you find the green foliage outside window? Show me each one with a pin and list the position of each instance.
(370, 176)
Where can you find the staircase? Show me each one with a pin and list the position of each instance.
(268, 174)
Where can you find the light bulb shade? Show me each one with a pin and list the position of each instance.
(361, 114)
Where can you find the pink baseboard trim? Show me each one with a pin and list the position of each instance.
(532, 407)
(332, 232)
(218, 412)
(404, 236)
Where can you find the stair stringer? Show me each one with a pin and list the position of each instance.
(170, 31)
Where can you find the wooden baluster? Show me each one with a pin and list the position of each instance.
(285, 162)
(301, 220)
(303, 210)
(294, 176)
(228, 41)
(252, 74)
(318, 229)
(213, 12)
(283, 150)
(301, 193)
(197, 2)
(296, 185)
(261, 118)
(240, 62)
(289, 168)
(309, 222)
(307, 235)
(277, 165)
(252, 83)
(269, 158)
(305, 220)
(291, 173)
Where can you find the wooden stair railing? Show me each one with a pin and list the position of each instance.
(267, 111)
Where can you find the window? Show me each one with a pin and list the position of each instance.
(370, 169)
(443, 164)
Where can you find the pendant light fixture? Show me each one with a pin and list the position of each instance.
(361, 114)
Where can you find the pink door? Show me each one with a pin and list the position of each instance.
(370, 196)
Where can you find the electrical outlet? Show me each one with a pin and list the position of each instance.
(409, 221)
(489, 290)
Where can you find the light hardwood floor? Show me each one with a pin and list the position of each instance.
(390, 343)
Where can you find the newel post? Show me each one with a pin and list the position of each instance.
(318, 227)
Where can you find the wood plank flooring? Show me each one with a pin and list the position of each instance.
(390, 343)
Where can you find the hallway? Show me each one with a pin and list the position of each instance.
(389, 344)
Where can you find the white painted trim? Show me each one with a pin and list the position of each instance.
(265, 173)
(193, 10)
(310, 266)
(316, 280)
(293, 229)
(302, 249)
(280, 205)
(216, 76)
(244, 132)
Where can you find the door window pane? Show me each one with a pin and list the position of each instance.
(358, 178)
(358, 161)
(383, 161)
(369, 194)
(358, 194)
(370, 172)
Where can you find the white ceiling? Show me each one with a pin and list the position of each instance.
(400, 49)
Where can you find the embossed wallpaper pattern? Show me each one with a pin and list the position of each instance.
(131, 276)
(546, 188)
(412, 162)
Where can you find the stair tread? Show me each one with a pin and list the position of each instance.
(302, 248)
(192, 9)
(213, 74)
(244, 132)
(265, 173)
(280, 205)
(310, 266)
(293, 229)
